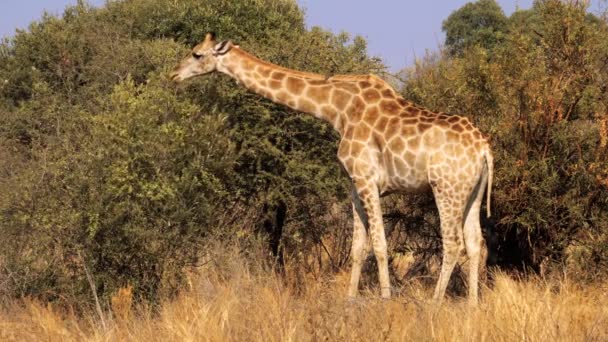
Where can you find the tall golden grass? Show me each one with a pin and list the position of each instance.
(233, 302)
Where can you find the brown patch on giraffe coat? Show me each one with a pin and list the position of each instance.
(453, 119)
(340, 98)
(433, 138)
(365, 84)
(389, 107)
(356, 148)
(458, 128)
(413, 110)
(452, 136)
(408, 131)
(295, 85)
(397, 145)
(458, 150)
(355, 110)
(343, 150)
(413, 143)
(422, 127)
(283, 96)
(470, 151)
(362, 132)
(349, 87)
(466, 138)
(438, 158)
(410, 121)
(442, 123)
(371, 115)
(264, 72)
(476, 134)
(330, 113)
(381, 123)
(319, 94)
(277, 75)
(306, 106)
(409, 158)
(388, 93)
(348, 132)
(403, 102)
(248, 65)
(392, 128)
(371, 95)
(449, 151)
(317, 82)
(274, 84)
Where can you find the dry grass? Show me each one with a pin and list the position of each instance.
(234, 303)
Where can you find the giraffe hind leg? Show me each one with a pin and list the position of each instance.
(474, 238)
(451, 208)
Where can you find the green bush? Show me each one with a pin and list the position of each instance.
(112, 170)
(541, 96)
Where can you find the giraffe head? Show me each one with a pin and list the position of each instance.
(202, 60)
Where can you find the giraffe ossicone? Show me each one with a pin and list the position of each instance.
(387, 144)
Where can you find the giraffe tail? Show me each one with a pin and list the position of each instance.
(490, 175)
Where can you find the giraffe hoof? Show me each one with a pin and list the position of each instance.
(386, 294)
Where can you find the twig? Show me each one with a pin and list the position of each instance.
(94, 290)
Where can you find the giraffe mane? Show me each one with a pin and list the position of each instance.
(315, 76)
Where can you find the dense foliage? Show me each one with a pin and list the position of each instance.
(109, 170)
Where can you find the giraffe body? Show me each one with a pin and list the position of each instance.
(387, 145)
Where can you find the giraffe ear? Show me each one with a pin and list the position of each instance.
(222, 47)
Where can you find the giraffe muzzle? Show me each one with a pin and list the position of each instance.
(174, 76)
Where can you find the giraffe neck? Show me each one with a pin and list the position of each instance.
(305, 92)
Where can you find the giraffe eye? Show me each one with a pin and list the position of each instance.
(197, 55)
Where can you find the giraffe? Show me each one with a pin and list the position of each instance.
(387, 144)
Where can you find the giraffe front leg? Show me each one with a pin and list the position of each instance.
(359, 245)
(369, 202)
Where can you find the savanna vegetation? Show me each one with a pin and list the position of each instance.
(135, 209)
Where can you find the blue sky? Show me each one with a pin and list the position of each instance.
(396, 30)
